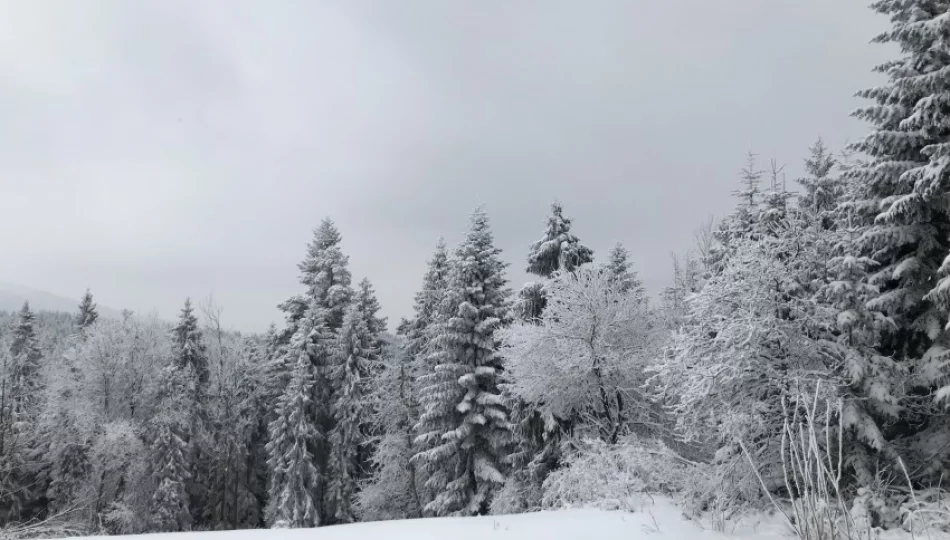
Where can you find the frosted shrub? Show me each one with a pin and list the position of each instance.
(615, 477)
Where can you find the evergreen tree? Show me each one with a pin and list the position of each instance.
(368, 307)
(26, 355)
(326, 275)
(356, 352)
(901, 194)
(559, 249)
(171, 450)
(618, 265)
(822, 189)
(189, 348)
(294, 477)
(464, 426)
(87, 312)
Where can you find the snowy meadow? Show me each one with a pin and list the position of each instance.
(792, 380)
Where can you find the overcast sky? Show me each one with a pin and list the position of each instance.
(153, 150)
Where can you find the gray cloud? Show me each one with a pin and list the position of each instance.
(157, 149)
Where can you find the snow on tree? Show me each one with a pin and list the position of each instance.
(744, 218)
(619, 267)
(900, 194)
(87, 312)
(464, 427)
(752, 336)
(368, 306)
(190, 350)
(559, 249)
(325, 272)
(393, 492)
(356, 352)
(586, 358)
(294, 493)
(171, 451)
(26, 356)
(823, 190)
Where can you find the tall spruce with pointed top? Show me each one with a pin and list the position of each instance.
(902, 191)
(326, 275)
(87, 312)
(189, 348)
(464, 425)
(823, 189)
(26, 356)
(559, 249)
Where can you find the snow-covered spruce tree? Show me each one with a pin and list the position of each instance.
(189, 349)
(355, 353)
(823, 187)
(87, 312)
(393, 492)
(294, 493)
(27, 472)
(901, 194)
(742, 222)
(171, 452)
(619, 266)
(26, 356)
(427, 314)
(326, 275)
(464, 425)
(872, 397)
(559, 249)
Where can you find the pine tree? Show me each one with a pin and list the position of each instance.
(901, 198)
(464, 425)
(356, 352)
(87, 312)
(559, 249)
(294, 477)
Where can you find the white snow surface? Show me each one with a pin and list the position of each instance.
(660, 520)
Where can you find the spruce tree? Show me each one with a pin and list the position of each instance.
(618, 264)
(294, 492)
(356, 352)
(26, 355)
(189, 348)
(326, 275)
(87, 312)
(464, 425)
(901, 191)
(559, 249)
(171, 452)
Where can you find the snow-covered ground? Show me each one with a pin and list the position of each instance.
(660, 520)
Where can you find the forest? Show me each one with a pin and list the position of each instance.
(798, 362)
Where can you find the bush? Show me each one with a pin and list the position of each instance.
(616, 476)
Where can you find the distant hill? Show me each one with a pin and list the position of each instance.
(12, 297)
